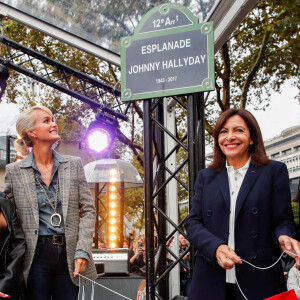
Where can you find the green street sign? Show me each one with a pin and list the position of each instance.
(170, 53)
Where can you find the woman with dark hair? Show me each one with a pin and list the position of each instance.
(241, 210)
(12, 250)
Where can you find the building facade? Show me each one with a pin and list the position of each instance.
(286, 148)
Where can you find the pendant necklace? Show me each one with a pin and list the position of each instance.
(55, 214)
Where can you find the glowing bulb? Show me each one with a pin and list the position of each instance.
(112, 228)
(112, 245)
(113, 188)
(113, 179)
(112, 196)
(112, 237)
(113, 213)
(113, 172)
(112, 204)
(112, 221)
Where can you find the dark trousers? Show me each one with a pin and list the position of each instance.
(230, 291)
(49, 276)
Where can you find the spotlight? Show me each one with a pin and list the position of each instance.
(98, 140)
(101, 133)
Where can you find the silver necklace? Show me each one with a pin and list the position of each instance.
(55, 214)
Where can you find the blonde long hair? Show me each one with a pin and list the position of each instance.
(25, 122)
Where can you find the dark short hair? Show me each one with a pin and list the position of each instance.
(257, 150)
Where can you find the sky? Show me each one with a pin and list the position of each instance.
(8, 115)
(283, 112)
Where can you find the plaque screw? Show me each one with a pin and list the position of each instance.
(206, 28)
(207, 83)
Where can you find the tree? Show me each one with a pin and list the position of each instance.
(258, 58)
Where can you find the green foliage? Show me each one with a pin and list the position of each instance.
(259, 57)
(295, 207)
(183, 213)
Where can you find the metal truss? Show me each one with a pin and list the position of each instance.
(158, 176)
(63, 78)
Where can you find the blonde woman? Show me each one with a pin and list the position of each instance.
(137, 255)
(55, 208)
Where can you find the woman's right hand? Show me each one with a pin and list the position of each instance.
(2, 295)
(226, 257)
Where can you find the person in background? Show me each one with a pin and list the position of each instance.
(125, 244)
(12, 250)
(55, 207)
(131, 238)
(101, 244)
(293, 280)
(241, 210)
(185, 275)
(137, 255)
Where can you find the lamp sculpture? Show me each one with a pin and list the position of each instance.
(112, 177)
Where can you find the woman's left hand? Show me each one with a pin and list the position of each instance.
(80, 266)
(291, 246)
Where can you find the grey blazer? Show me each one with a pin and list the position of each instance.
(77, 204)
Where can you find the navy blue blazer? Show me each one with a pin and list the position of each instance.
(263, 213)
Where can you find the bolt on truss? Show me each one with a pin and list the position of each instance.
(63, 78)
(188, 141)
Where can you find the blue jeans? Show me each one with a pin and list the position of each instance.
(49, 275)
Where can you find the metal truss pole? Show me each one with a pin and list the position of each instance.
(172, 195)
(161, 198)
(148, 191)
(159, 175)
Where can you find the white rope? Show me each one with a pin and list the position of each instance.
(261, 268)
(79, 289)
(94, 282)
(83, 293)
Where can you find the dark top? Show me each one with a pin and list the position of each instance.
(12, 250)
(263, 213)
(137, 264)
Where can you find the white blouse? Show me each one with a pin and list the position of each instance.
(235, 178)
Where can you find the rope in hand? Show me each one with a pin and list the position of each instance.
(261, 268)
(93, 288)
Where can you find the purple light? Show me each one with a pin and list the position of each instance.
(98, 140)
